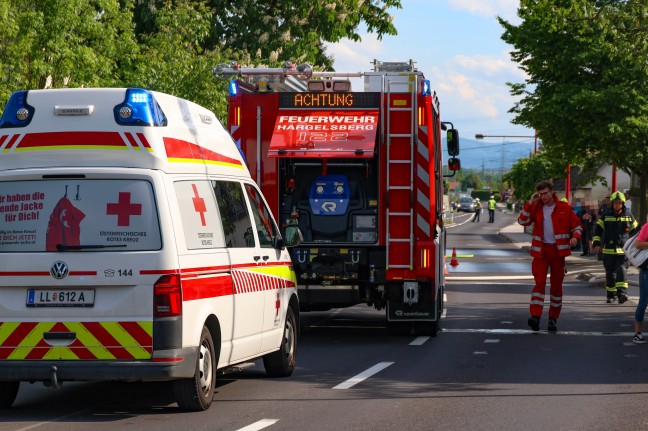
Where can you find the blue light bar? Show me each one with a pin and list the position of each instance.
(139, 108)
(426, 90)
(17, 113)
(233, 88)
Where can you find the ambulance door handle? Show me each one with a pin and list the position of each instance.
(265, 258)
(256, 258)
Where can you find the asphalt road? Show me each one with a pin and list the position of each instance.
(485, 371)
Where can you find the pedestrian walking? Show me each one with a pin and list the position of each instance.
(477, 210)
(587, 233)
(556, 228)
(491, 209)
(612, 230)
(641, 243)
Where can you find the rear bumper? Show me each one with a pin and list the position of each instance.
(179, 363)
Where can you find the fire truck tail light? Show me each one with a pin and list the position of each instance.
(139, 108)
(167, 296)
(17, 113)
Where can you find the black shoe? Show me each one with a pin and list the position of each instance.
(622, 298)
(534, 323)
(551, 327)
(611, 298)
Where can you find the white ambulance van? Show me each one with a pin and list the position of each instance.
(135, 246)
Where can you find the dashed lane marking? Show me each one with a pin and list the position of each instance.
(419, 340)
(259, 425)
(363, 375)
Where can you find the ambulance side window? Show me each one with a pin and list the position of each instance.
(234, 214)
(265, 227)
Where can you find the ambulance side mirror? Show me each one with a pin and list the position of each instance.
(452, 141)
(293, 236)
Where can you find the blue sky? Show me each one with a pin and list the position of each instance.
(457, 45)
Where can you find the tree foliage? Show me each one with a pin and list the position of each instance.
(526, 173)
(170, 45)
(586, 91)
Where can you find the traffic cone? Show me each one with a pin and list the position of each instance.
(454, 261)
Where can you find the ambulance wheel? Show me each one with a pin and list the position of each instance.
(8, 393)
(282, 362)
(197, 392)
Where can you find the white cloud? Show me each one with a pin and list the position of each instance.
(507, 9)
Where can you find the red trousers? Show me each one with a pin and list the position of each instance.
(539, 268)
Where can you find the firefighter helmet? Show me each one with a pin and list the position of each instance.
(564, 200)
(618, 195)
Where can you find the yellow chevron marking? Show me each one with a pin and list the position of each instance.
(6, 329)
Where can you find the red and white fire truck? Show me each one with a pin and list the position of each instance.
(360, 173)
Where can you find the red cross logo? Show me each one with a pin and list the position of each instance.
(199, 205)
(123, 209)
(277, 305)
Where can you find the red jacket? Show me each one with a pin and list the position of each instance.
(566, 225)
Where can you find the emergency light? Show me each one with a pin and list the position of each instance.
(17, 113)
(139, 108)
(233, 88)
(426, 90)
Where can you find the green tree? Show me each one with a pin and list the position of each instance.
(64, 43)
(173, 60)
(272, 32)
(587, 87)
(525, 173)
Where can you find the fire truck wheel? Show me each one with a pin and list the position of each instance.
(197, 392)
(8, 393)
(282, 362)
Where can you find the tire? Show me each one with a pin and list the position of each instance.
(8, 394)
(282, 362)
(197, 392)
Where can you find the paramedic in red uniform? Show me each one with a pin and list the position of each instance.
(556, 229)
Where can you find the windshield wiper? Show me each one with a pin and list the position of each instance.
(62, 247)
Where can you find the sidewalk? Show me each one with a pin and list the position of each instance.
(584, 267)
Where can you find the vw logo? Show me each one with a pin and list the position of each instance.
(59, 270)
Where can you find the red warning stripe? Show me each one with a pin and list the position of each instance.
(179, 149)
(72, 139)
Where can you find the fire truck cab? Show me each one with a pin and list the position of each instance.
(360, 173)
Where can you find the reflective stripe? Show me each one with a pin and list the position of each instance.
(556, 305)
(535, 248)
(537, 295)
(621, 284)
(525, 214)
(536, 238)
(556, 298)
(562, 235)
(563, 247)
(535, 302)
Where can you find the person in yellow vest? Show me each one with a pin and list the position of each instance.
(491, 209)
(610, 233)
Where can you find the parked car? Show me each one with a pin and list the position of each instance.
(466, 204)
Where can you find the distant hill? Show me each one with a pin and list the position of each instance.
(490, 154)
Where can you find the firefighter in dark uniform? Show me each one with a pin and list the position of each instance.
(611, 231)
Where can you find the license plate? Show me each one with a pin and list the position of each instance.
(60, 297)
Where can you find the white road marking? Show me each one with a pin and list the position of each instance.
(492, 340)
(506, 322)
(263, 423)
(419, 341)
(363, 375)
(528, 331)
(480, 353)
